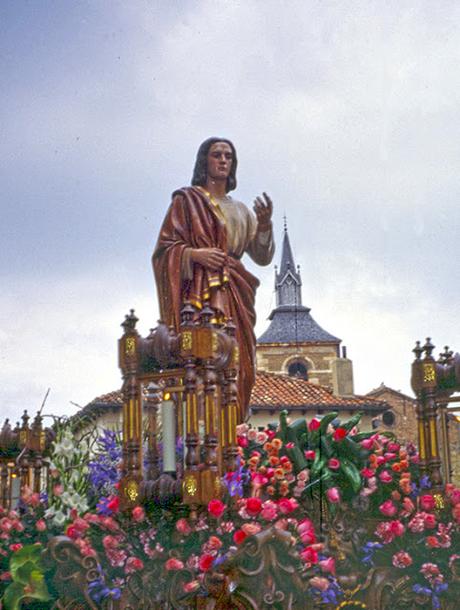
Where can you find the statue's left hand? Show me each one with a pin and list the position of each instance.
(263, 208)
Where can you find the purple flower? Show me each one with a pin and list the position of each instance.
(368, 551)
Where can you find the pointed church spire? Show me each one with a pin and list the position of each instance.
(287, 279)
(290, 321)
(287, 259)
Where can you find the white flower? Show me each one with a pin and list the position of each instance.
(59, 518)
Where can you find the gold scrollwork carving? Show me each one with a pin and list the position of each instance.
(438, 501)
(186, 340)
(132, 491)
(190, 485)
(429, 373)
(236, 355)
(217, 486)
(130, 346)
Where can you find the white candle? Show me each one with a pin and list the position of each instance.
(168, 423)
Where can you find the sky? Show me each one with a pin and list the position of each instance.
(346, 113)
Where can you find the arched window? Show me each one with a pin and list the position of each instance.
(298, 368)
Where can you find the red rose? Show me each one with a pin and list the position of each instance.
(114, 504)
(427, 502)
(71, 532)
(15, 547)
(309, 555)
(239, 536)
(216, 508)
(133, 564)
(205, 562)
(253, 506)
(432, 542)
(314, 424)
(339, 434)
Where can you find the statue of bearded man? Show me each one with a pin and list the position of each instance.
(198, 255)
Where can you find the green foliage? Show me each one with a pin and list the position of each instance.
(28, 576)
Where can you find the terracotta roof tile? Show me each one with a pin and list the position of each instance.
(277, 391)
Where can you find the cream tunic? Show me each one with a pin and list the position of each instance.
(242, 236)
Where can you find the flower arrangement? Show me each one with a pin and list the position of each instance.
(281, 472)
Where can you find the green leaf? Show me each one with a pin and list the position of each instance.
(297, 458)
(283, 426)
(31, 553)
(352, 473)
(13, 595)
(352, 422)
(326, 420)
(297, 429)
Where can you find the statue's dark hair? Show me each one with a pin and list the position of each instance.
(200, 171)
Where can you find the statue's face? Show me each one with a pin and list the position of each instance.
(220, 159)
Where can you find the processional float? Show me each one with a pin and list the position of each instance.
(434, 382)
(185, 382)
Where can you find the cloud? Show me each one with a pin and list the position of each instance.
(346, 114)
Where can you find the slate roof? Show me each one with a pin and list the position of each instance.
(295, 325)
(273, 392)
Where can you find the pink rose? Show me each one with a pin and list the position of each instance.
(427, 502)
(58, 489)
(385, 476)
(310, 454)
(429, 520)
(192, 586)
(138, 514)
(251, 528)
(388, 509)
(174, 564)
(334, 464)
(133, 564)
(183, 527)
(333, 495)
(397, 528)
(327, 565)
(15, 547)
(402, 560)
(269, 511)
(214, 543)
(287, 505)
(40, 525)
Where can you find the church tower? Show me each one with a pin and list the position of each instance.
(294, 343)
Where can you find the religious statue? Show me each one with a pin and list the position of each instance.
(198, 255)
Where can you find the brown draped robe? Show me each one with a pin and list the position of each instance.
(192, 221)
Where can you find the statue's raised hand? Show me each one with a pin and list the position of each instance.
(263, 208)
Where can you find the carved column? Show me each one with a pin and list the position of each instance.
(4, 485)
(231, 407)
(192, 483)
(132, 414)
(210, 476)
